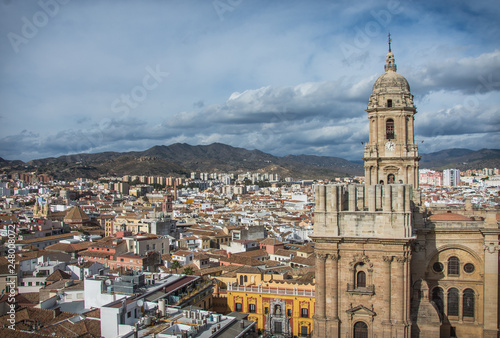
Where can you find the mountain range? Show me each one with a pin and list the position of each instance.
(180, 159)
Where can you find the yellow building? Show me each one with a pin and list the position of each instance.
(277, 305)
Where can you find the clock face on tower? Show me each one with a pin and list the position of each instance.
(390, 146)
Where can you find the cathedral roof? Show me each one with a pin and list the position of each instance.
(449, 216)
(391, 81)
(76, 214)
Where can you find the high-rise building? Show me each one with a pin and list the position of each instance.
(386, 266)
(451, 177)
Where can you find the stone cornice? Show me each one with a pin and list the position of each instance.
(365, 240)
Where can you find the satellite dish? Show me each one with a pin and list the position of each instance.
(108, 282)
(140, 302)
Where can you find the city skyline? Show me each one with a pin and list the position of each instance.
(282, 77)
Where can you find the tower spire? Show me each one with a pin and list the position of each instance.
(390, 64)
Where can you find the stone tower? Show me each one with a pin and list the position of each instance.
(391, 155)
(363, 233)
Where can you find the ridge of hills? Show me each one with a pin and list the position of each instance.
(180, 159)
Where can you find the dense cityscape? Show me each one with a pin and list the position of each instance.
(209, 243)
(249, 169)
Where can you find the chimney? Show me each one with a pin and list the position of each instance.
(57, 311)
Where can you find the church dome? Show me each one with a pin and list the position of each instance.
(390, 89)
(391, 81)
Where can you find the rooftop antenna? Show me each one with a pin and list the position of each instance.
(389, 40)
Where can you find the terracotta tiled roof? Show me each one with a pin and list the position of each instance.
(40, 316)
(309, 261)
(271, 241)
(251, 253)
(248, 269)
(69, 247)
(57, 275)
(242, 261)
(76, 214)
(74, 327)
(42, 239)
(449, 217)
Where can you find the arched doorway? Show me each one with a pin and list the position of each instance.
(360, 330)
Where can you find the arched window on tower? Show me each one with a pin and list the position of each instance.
(389, 103)
(437, 298)
(468, 303)
(389, 129)
(361, 279)
(453, 302)
(453, 266)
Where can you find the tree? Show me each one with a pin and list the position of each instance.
(175, 265)
(188, 271)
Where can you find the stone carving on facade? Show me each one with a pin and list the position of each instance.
(491, 247)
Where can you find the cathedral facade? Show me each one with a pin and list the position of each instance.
(386, 266)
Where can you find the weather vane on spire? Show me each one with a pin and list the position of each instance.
(389, 38)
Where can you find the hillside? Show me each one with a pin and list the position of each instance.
(180, 159)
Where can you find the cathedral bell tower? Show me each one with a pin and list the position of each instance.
(391, 155)
(363, 233)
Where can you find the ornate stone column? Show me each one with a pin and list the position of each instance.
(321, 286)
(332, 295)
(386, 289)
(319, 318)
(401, 288)
(490, 305)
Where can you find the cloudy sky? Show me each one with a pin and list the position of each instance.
(284, 77)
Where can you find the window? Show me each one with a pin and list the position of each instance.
(246, 279)
(251, 308)
(437, 298)
(266, 310)
(468, 303)
(289, 312)
(128, 314)
(238, 307)
(453, 266)
(304, 313)
(241, 279)
(453, 302)
(360, 330)
(391, 179)
(304, 331)
(278, 328)
(389, 129)
(389, 103)
(361, 279)
(469, 268)
(438, 267)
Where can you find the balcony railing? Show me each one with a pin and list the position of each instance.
(369, 289)
(269, 290)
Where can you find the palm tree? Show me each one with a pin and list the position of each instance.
(175, 265)
(188, 271)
